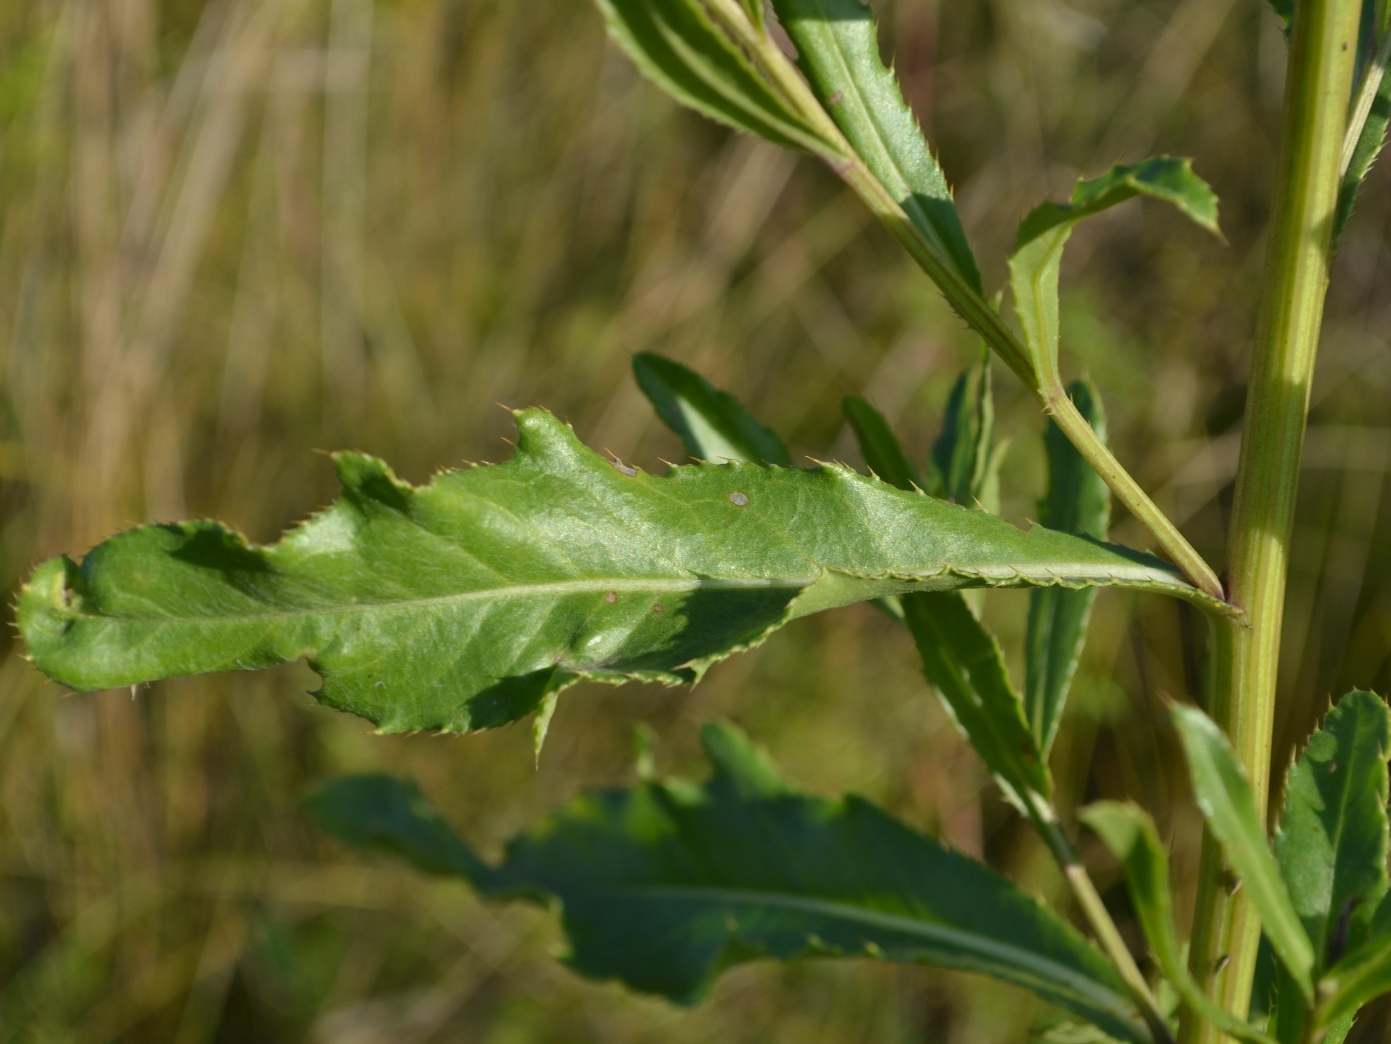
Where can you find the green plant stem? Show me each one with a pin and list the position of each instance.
(978, 313)
(1246, 651)
(1045, 821)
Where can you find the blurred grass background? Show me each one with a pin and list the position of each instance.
(236, 232)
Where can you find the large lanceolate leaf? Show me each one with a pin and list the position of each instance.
(838, 50)
(1035, 264)
(461, 604)
(1331, 844)
(1224, 795)
(1130, 833)
(711, 423)
(700, 53)
(1078, 501)
(666, 885)
(961, 659)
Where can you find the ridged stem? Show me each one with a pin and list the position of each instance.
(1246, 651)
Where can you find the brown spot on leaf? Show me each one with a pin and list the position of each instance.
(610, 597)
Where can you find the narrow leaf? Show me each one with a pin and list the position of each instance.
(711, 423)
(881, 450)
(703, 64)
(1078, 501)
(1369, 143)
(838, 50)
(962, 464)
(754, 9)
(1331, 844)
(1130, 834)
(666, 885)
(1036, 262)
(966, 666)
(459, 605)
(393, 815)
(961, 659)
(1224, 796)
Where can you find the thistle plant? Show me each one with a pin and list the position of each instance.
(477, 600)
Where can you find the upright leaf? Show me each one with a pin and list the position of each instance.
(711, 423)
(666, 885)
(966, 666)
(961, 659)
(839, 51)
(1130, 834)
(702, 62)
(1224, 796)
(1370, 140)
(1331, 843)
(964, 466)
(460, 604)
(1077, 501)
(1034, 267)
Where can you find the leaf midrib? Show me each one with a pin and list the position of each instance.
(487, 594)
(1049, 970)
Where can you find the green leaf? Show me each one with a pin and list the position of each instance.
(707, 63)
(392, 815)
(1363, 975)
(1370, 141)
(666, 885)
(1331, 843)
(1078, 501)
(838, 50)
(1037, 258)
(964, 466)
(966, 666)
(882, 451)
(754, 9)
(460, 604)
(1225, 798)
(711, 423)
(961, 659)
(1129, 833)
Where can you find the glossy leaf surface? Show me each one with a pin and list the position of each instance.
(701, 61)
(460, 604)
(1332, 838)
(666, 885)
(1224, 795)
(838, 50)
(1077, 501)
(1036, 262)
(711, 423)
(1130, 834)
